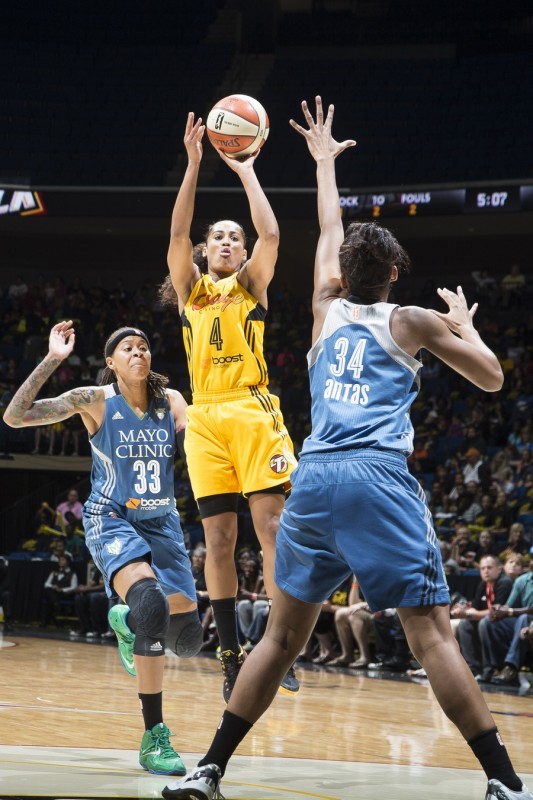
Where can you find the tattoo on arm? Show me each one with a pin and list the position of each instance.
(25, 410)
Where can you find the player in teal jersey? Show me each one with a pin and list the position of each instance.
(132, 527)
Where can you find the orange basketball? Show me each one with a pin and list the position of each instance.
(237, 125)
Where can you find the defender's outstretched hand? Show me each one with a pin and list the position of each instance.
(459, 317)
(319, 140)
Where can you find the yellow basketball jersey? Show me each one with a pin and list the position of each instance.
(223, 329)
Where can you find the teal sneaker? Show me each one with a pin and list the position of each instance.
(157, 754)
(125, 637)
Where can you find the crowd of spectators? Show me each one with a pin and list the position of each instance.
(473, 451)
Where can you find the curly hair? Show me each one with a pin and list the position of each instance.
(166, 294)
(367, 256)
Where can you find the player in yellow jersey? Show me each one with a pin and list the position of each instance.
(235, 441)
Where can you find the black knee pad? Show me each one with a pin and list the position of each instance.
(185, 634)
(149, 607)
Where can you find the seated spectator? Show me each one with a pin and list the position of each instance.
(251, 595)
(450, 566)
(470, 505)
(60, 584)
(475, 440)
(392, 650)
(485, 546)
(482, 520)
(75, 538)
(463, 548)
(494, 588)
(455, 428)
(47, 527)
(353, 623)
(198, 573)
(516, 541)
(474, 462)
(45, 515)
(48, 433)
(507, 483)
(243, 555)
(504, 641)
(502, 516)
(72, 504)
(458, 487)
(513, 565)
(485, 285)
(524, 464)
(58, 548)
(324, 630)
(501, 461)
(91, 605)
(73, 429)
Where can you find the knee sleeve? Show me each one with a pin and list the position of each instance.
(185, 634)
(149, 608)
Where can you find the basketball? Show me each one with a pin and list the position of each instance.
(237, 125)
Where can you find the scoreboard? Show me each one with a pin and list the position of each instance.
(429, 203)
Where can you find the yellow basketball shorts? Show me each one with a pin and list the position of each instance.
(237, 443)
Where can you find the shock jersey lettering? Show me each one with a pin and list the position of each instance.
(133, 460)
(223, 330)
(362, 383)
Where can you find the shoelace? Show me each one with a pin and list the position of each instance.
(202, 773)
(231, 667)
(162, 740)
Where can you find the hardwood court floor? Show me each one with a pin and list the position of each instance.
(70, 726)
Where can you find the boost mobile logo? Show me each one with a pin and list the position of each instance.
(147, 505)
(217, 360)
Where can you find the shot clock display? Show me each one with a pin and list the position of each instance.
(427, 203)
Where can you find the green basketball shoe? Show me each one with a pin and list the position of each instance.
(125, 637)
(157, 754)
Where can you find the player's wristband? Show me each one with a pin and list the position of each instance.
(510, 612)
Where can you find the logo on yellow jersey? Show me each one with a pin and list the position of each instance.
(217, 299)
(279, 463)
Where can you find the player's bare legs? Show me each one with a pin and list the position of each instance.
(221, 538)
(289, 626)
(266, 510)
(433, 644)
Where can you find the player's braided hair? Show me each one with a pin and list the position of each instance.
(367, 256)
(154, 380)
